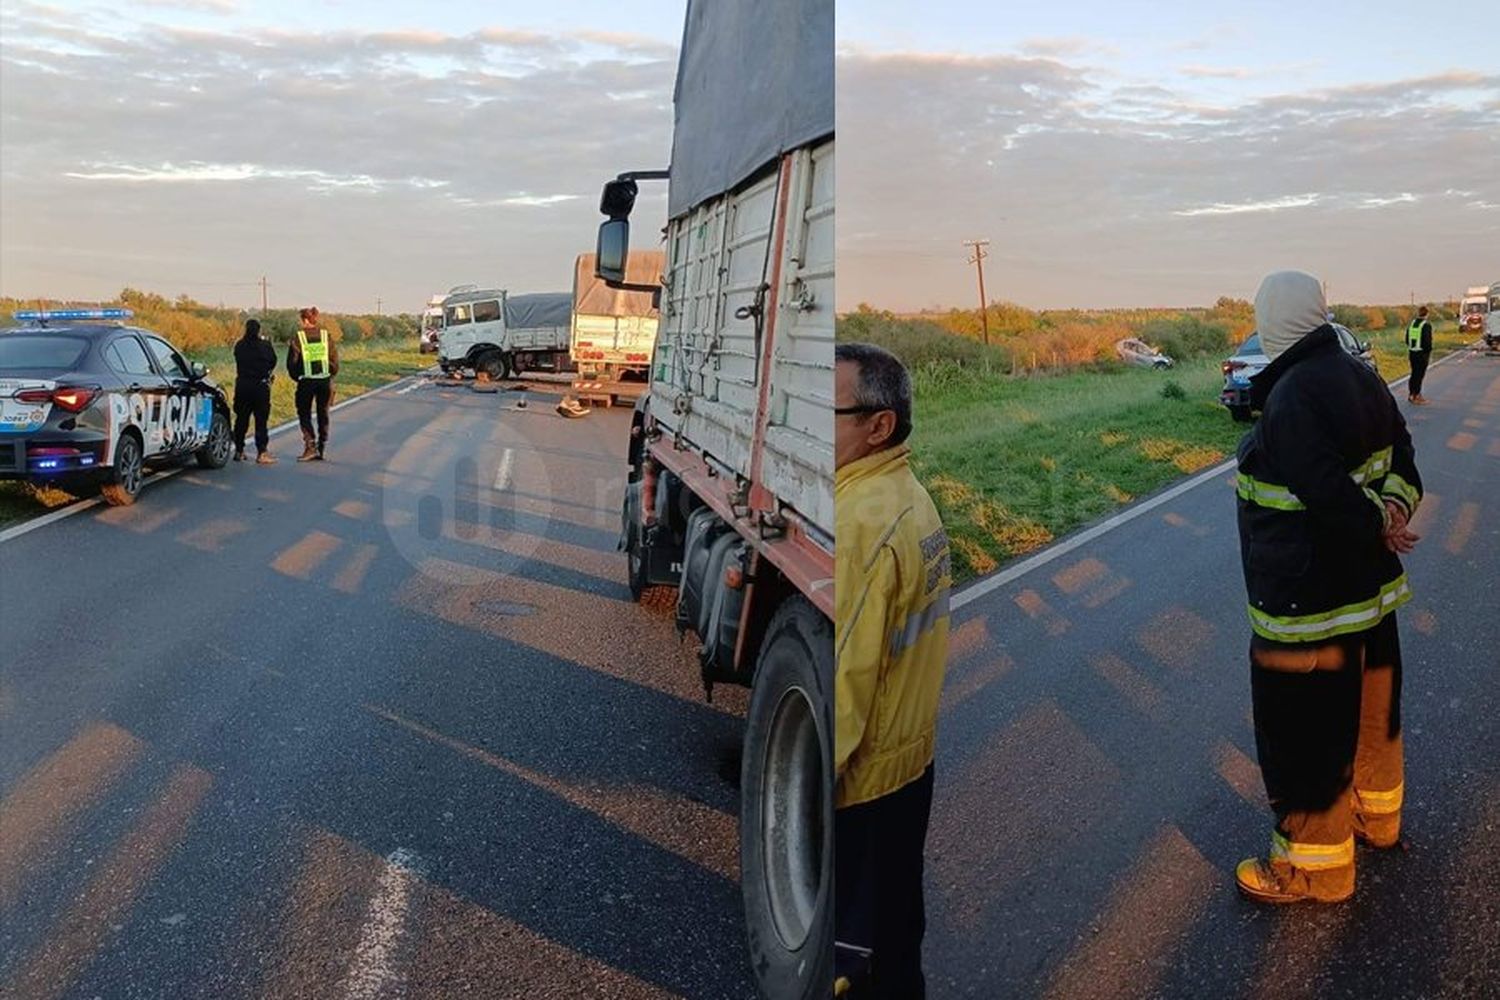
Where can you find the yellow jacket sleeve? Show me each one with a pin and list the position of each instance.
(862, 611)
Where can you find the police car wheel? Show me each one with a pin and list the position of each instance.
(786, 814)
(124, 482)
(215, 454)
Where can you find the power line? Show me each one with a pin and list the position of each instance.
(980, 253)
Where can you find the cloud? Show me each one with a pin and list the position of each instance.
(336, 159)
(200, 6)
(1066, 47)
(1217, 72)
(1100, 189)
(1246, 207)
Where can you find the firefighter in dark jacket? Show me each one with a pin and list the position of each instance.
(312, 360)
(1418, 352)
(254, 368)
(1327, 487)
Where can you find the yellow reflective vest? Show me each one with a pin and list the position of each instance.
(891, 614)
(314, 355)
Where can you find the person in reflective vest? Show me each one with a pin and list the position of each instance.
(1418, 351)
(1327, 488)
(312, 361)
(893, 577)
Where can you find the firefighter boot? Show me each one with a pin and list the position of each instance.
(309, 448)
(1377, 829)
(1277, 881)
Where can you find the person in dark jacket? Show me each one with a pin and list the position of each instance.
(254, 369)
(1418, 352)
(312, 360)
(1327, 488)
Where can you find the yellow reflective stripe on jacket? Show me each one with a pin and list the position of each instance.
(1327, 624)
(1264, 494)
(1312, 857)
(314, 354)
(1395, 486)
(918, 623)
(1373, 467)
(1380, 803)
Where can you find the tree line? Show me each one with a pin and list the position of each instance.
(191, 325)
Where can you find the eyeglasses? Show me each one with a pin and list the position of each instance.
(841, 411)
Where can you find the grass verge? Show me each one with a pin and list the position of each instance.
(363, 366)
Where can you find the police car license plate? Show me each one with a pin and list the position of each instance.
(17, 417)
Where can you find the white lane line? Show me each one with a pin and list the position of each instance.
(988, 585)
(51, 517)
(991, 583)
(502, 474)
(373, 972)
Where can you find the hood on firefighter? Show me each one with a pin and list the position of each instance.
(1288, 307)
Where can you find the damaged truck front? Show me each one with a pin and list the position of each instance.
(730, 496)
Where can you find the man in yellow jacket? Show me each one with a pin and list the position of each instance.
(893, 579)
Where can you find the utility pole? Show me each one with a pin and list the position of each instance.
(263, 299)
(377, 305)
(980, 253)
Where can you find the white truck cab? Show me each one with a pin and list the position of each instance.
(500, 335)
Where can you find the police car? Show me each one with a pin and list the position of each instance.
(85, 402)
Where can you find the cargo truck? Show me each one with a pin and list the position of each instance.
(489, 331)
(614, 329)
(431, 326)
(1473, 309)
(730, 483)
(1492, 319)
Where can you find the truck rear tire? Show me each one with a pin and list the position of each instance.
(786, 813)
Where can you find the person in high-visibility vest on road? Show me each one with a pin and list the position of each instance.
(1419, 351)
(312, 361)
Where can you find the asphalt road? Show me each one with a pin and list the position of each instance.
(1096, 763)
(385, 725)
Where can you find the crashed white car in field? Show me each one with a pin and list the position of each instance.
(1141, 354)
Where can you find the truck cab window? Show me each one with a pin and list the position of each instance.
(487, 312)
(457, 315)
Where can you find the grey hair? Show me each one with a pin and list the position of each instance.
(883, 382)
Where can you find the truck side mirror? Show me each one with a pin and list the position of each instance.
(618, 199)
(612, 249)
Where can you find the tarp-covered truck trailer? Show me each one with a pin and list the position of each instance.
(491, 331)
(614, 329)
(730, 495)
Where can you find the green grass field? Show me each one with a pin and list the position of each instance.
(363, 366)
(1015, 462)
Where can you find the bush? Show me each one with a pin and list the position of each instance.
(1173, 390)
(1186, 336)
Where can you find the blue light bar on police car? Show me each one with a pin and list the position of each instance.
(47, 314)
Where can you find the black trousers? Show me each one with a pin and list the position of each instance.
(1418, 372)
(314, 392)
(252, 399)
(1328, 733)
(878, 860)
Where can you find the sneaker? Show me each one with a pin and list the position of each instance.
(309, 453)
(265, 458)
(1275, 882)
(1421, 400)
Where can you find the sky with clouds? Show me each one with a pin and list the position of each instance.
(345, 150)
(1132, 153)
